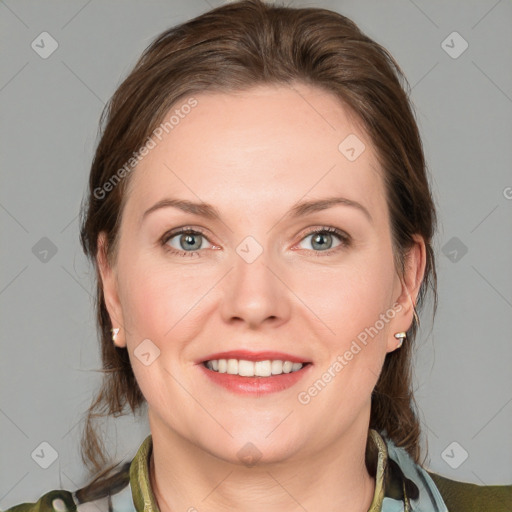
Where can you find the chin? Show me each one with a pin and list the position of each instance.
(254, 450)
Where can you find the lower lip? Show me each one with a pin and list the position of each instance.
(256, 385)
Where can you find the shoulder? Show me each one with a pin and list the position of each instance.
(467, 497)
(112, 494)
(52, 501)
(430, 491)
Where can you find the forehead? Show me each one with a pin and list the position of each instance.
(259, 150)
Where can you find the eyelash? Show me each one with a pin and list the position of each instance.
(342, 236)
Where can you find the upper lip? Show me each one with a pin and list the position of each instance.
(254, 356)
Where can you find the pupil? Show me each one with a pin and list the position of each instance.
(189, 241)
(320, 236)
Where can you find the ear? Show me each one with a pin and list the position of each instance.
(408, 289)
(110, 290)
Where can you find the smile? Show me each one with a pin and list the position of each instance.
(245, 368)
(254, 377)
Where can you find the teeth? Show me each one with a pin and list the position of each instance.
(276, 367)
(287, 366)
(232, 366)
(246, 368)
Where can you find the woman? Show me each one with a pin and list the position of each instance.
(260, 219)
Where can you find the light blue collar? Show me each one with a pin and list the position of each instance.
(429, 499)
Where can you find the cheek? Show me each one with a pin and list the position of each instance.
(161, 303)
(159, 299)
(354, 307)
(350, 297)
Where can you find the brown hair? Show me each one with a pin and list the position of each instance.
(232, 48)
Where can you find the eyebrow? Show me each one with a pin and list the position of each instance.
(299, 210)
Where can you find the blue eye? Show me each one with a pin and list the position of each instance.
(322, 239)
(189, 242)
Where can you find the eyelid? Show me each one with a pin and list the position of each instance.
(344, 238)
(181, 230)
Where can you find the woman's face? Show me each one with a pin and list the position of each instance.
(257, 278)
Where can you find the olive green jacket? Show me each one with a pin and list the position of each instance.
(400, 486)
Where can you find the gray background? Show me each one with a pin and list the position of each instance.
(50, 112)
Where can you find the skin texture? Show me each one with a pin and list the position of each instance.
(254, 155)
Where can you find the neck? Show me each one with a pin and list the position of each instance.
(185, 477)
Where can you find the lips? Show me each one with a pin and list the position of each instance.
(254, 356)
(255, 386)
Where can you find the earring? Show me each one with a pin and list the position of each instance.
(400, 336)
(115, 332)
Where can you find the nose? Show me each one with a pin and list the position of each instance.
(256, 293)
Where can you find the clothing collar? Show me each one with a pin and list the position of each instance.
(400, 484)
